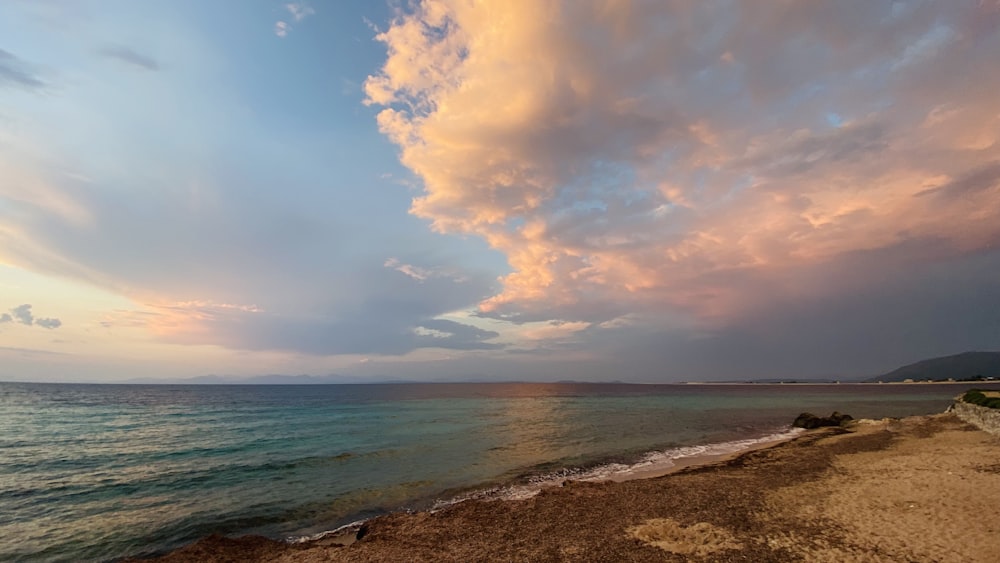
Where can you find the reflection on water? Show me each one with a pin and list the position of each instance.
(528, 429)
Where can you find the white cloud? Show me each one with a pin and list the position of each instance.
(417, 273)
(422, 274)
(554, 330)
(209, 305)
(298, 11)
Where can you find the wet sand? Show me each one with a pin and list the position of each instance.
(917, 489)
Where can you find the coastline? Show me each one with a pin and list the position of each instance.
(823, 495)
(651, 464)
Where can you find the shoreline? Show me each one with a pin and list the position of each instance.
(644, 465)
(347, 534)
(647, 465)
(935, 472)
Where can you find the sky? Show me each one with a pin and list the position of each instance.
(647, 191)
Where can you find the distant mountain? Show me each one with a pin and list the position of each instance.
(967, 365)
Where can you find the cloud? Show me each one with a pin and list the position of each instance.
(916, 311)
(298, 12)
(415, 272)
(14, 72)
(253, 268)
(130, 57)
(661, 184)
(30, 352)
(22, 314)
(444, 333)
(377, 329)
(388, 314)
(679, 157)
(48, 323)
(422, 274)
(555, 330)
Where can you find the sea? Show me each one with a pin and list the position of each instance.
(102, 472)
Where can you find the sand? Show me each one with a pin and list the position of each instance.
(918, 489)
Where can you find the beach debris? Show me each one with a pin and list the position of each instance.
(698, 539)
(808, 420)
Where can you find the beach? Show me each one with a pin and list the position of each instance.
(915, 489)
(104, 472)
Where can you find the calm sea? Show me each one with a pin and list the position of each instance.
(99, 472)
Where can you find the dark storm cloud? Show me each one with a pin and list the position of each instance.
(915, 311)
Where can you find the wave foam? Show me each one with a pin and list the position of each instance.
(353, 527)
(650, 463)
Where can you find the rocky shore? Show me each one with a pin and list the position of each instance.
(915, 489)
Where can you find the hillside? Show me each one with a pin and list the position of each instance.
(967, 365)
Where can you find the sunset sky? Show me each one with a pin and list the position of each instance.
(522, 189)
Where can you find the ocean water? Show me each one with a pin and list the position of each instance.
(100, 472)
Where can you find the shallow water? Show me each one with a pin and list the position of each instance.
(97, 472)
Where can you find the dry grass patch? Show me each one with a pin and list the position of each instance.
(698, 539)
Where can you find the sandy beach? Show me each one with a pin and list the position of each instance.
(917, 489)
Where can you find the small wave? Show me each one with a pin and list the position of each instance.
(353, 527)
(649, 463)
(662, 460)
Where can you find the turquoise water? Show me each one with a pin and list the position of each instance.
(98, 472)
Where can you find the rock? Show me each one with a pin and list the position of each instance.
(806, 420)
(840, 418)
(809, 421)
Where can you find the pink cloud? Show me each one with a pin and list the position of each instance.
(658, 155)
